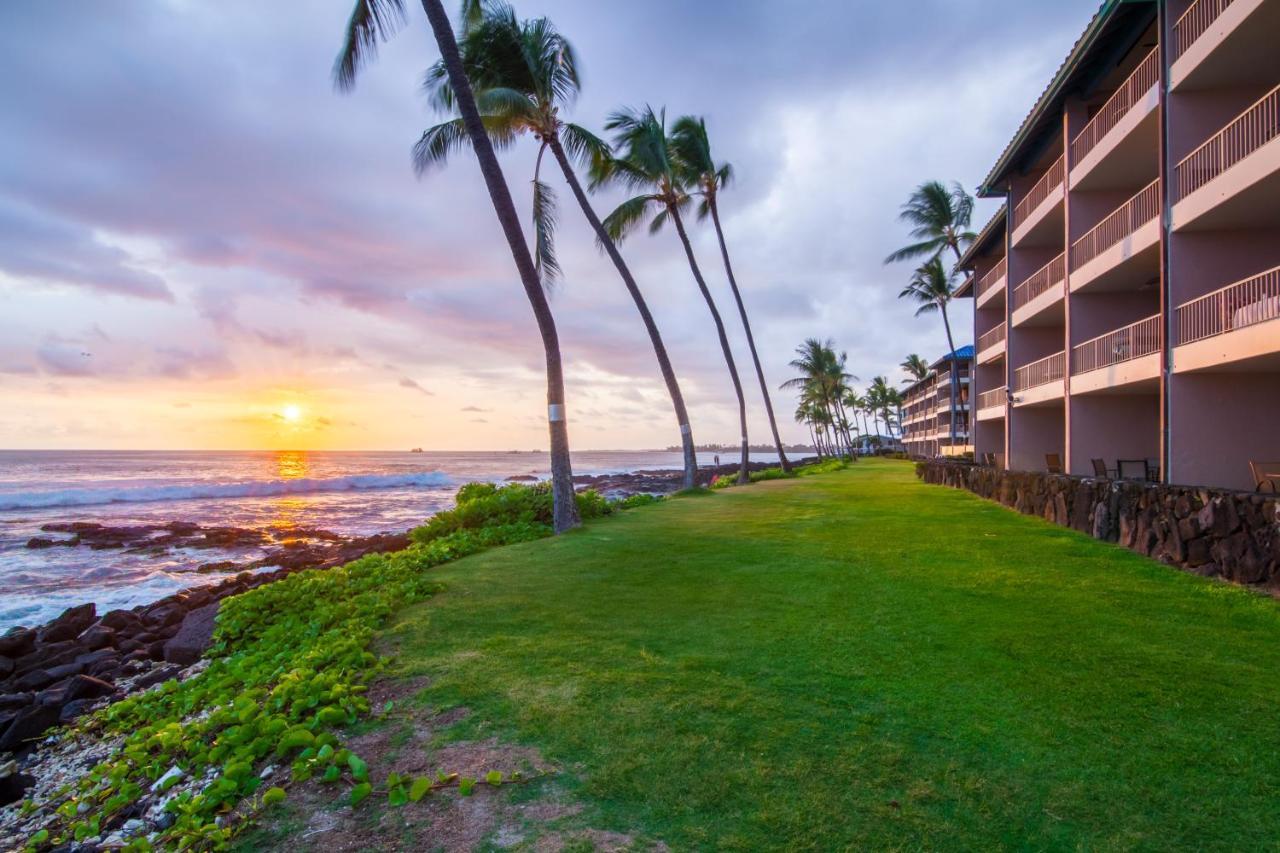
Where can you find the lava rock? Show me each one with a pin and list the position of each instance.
(69, 625)
(157, 675)
(30, 723)
(14, 700)
(97, 636)
(14, 786)
(6, 667)
(36, 679)
(17, 642)
(120, 620)
(194, 637)
(87, 687)
(165, 614)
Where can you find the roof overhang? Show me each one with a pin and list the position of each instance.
(1112, 30)
(991, 234)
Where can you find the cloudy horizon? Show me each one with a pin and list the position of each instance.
(198, 235)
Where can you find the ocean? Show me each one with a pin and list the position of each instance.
(348, 493)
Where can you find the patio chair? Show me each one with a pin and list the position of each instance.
(1101, 470)
(1266, 476)
(1153, 470)
(1131, 469)
(1053, 462)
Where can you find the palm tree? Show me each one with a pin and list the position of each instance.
(692, 148)
(916, 368)
(373, 21)
(823, 381)
(933, 288)
(648, 163)
(886, 399)
(526, 75)
(939, 219)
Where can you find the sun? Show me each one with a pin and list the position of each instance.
(291, 413)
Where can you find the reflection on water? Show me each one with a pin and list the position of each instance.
(286, 511)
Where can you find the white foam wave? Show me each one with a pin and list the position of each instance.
(249, 489)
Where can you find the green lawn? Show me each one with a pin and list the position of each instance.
(860, 660)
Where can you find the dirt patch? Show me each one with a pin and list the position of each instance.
(533, 814)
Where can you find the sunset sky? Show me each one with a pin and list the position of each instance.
(202, 245)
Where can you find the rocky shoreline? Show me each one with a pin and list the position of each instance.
(54, 673)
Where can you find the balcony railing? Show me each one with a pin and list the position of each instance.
(1194, 22)
(1235, 306)
(1146, 75)
(1123, 222)
(1254, 128)
(990, 280)
(1042, 372)
(1050, 181)
(1041, 281)
(991, 399)
(1133, 341)
(991, 338)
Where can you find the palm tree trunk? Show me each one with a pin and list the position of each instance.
(746, 327)
(743, 476)
(955, 382)
(655, 337)
(564, 502)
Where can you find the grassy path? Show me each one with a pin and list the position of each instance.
(858, 659)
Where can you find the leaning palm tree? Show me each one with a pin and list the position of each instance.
(373, 21)
(648, 164)
(692, 148)
(823, 380)
(525, 75)
(933, 288)
(939, 219)
(915, 367)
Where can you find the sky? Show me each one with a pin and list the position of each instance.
(204, 246)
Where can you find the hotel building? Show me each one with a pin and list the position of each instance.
(1127, 295)
(934, 421)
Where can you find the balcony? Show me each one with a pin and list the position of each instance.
(991, 404)
(1041, 382)
(1038, 301)
(1233, 180)
(1126, 360)
(1121, 142)
(1038, 217)
(1122, 252)
(1236, 328)
(991, 345)
(1222, 43)
(993, 283)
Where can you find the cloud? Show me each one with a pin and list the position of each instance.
(473, 409)
(62, 360)
(406, 382)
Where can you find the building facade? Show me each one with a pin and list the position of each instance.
(1127, 295)
(936, 410)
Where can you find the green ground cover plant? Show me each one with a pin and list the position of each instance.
(861, 661)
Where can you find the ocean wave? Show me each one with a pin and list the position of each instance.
(249, 489)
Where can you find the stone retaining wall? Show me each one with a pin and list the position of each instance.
(1213, 532)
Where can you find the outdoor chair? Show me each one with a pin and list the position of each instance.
(1266, 476)
(1153, 470)
(1101, 470)
(1132, 469)
(1053, 462)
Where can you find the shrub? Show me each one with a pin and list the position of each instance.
(484, 504)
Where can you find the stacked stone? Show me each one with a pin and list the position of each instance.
(1213, 532)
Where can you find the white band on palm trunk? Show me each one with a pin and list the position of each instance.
(684, 429)
(555, 412)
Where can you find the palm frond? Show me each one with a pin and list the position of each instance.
(655, 225)
(584, 147)
(626, 217)
(544, 227)
(371, 22)
(917, 250)
(437, 143)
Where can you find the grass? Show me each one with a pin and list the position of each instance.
(860, 660)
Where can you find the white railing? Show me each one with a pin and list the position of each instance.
(1133, 341)
(993, 398)
(1194, 22)
(1146, 75)
(1254, 300)
(1123, 222)
(1041, 281)
(1042, 372)
(992, 278)
(1254, 128)
(1050, 181)
(991, 338)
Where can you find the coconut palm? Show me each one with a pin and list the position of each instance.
(648, 164)
(692, 148)
(915, 367)
(525, 75)
(373, 21)
(932, 287)
(823, 381)
(939, 219)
